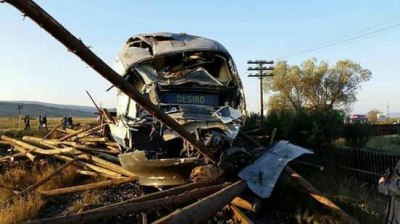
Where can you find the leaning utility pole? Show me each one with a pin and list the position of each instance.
(260, 67)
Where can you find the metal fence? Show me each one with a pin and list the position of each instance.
(384, 129)
(368, 165)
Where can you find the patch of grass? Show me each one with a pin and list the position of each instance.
(289, 201)
(88, 198)
(19, 178)
(21, 209)
(358, 199)
(9, 126)
(387, 144)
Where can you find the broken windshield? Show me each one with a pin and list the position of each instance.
(199, 75)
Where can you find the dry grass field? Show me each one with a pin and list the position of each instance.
(9, 125)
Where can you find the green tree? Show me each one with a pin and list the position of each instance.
(372, 115)
(315, 85)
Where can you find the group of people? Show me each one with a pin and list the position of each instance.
(42, 122)
(67, 122)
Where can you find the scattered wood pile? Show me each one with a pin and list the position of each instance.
(94, 155)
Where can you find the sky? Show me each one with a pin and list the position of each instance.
(34, 66)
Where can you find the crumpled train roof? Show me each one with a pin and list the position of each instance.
(162, 44)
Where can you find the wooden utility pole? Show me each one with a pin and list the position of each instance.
(260, 67)
(76, 46)
(20, 109)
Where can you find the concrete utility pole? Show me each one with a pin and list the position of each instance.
(260, 67)
(387, 112)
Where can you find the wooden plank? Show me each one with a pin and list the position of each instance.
(125, 209)
(87, 187)
(240, 216)
(201, 211)
(51, 132)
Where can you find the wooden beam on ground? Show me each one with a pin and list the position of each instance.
(11, 157)
(100, 170)
(68, 136)
(5, 143)
(26, 152)
(132, 208)
(51, 132)
(108, 116)
(89, 132)
(156, 195)
(201, 211)
(319, 167)
(318, 195)
(242, 218)
(34, 149)
(88, 187)
(55, 143)
(63, 131)
(247, 202)
(87, 173)
(108, 165)
(96, 160)
(97, 140)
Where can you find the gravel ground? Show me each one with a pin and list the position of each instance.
(61, 205)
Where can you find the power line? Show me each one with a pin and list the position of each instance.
(361, 38)
(344, 36)
(342, 41)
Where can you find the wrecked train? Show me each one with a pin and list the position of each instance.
(192, 79)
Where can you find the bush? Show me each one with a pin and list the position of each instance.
(311, 128)
(356, 135)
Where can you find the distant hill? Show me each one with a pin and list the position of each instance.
(35, 109)
(394, 114)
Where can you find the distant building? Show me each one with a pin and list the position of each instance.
(381, 117)
(358, 118)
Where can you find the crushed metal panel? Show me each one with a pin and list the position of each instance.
(158, 172)
(127, 56)
(262, 175)
(228, 114)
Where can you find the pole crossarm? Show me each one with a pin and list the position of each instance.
(264, 75)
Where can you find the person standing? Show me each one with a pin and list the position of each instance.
(40, 123)
(44, 122)
(27, 123)
(389, 185)
(70, 122)
(64, 122)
